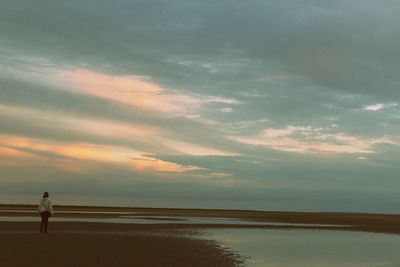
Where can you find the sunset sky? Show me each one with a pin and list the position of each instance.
(262, 104)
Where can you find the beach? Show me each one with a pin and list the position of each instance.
(106, 236)
(94, 244)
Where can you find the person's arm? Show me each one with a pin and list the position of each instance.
(40, 203)
(51, 207)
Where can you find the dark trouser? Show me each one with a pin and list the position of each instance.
(45, 219)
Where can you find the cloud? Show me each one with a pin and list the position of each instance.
(19, 146)
(218, 178)
(194, 149)
(153, 164)
(137, 91)
(89, 126)
(14, 153)
(379, 106)
(66, 115)
(132, 90)
(308, 140)
(69, 128)
(335, 46)
(226, 110)
(374, 107)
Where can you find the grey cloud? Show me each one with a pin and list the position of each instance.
(349, 45)
(274, 169)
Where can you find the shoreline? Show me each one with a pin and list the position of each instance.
(4, 206)
(169, 217)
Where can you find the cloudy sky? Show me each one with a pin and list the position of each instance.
(273, 105)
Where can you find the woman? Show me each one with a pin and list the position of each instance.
(46, 210)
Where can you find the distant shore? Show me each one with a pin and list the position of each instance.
(368, 222)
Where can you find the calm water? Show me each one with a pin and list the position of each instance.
(295, 248)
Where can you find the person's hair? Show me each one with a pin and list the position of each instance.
(45, 194)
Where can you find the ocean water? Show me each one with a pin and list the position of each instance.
(310, 248)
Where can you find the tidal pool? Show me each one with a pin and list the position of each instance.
(309, 248)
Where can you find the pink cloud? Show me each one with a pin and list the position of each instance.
(137, 91)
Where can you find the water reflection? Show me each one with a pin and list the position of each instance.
(311, 248)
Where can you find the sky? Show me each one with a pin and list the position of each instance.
(268, 105)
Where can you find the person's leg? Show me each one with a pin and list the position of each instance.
(42, 222)
(46, 221)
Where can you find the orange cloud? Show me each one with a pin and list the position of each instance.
(17, 141)
(147, 163)
(91, 152)
(14, 153)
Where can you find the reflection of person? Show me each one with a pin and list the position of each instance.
(46, 210)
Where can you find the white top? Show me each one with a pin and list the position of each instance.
(45, 204)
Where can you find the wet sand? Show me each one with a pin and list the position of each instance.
(96, 244)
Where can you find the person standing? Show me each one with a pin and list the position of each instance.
(45, 210)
